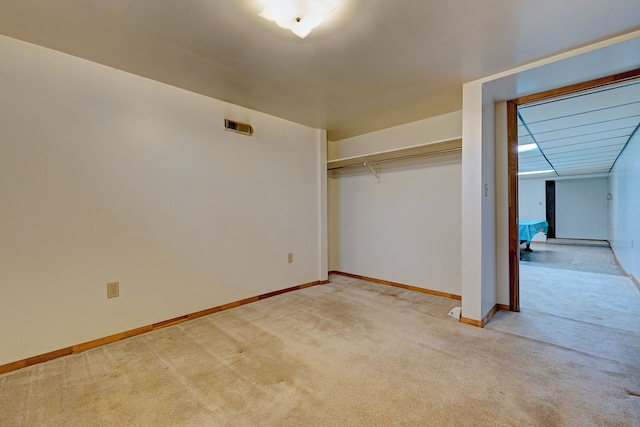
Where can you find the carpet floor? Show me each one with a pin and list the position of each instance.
(355, 353)
(579, 255)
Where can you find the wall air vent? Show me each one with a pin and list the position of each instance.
(238, 127)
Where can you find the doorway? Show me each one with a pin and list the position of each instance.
(574, 156)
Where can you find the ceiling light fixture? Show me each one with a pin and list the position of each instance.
(299, 16)
(536, 172)
(527, 147)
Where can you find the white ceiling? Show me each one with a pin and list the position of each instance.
(581, 133)
(372, 65)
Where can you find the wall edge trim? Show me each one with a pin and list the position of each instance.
(482, 323)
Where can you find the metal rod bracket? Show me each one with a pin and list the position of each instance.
(375, 172)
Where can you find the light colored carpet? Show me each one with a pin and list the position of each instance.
(579, 255)
(349, 353)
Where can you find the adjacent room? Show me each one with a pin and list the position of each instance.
(263, 212)
(568, 147)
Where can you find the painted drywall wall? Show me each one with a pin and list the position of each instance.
(581, 205)
(405, 229)
(479, 231)
(322, 210)
(488, 197)
(532, 202)
(582, 208)
(624, 208)
(106, 176)
(531, 198)
(446, 126)
(333, 205)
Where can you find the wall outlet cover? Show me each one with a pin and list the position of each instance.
(113, 289)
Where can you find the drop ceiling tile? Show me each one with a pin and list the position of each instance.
(580, 133)
(569, 148)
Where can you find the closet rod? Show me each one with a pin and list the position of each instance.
(394, 159)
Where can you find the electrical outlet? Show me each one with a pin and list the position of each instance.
(290, 257)
(113, 289)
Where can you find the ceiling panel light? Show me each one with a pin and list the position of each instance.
(536, 172)
(299, 16)
(527, 147)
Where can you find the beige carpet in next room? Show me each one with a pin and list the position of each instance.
(354, 353)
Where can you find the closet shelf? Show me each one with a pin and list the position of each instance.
(443, 148)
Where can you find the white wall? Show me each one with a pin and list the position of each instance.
(106, 176)
(446, 126)
(532, 198)
(406, 228)
(581, 208)
(581, 205)
(479, 232)
(532, 201)
(489, 209)
(624, 208)
(333, 207)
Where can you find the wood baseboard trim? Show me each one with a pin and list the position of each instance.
(399, 285)
(472, 322)
(504, 307)
(79, 348)
(485, 319)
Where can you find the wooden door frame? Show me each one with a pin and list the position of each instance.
(512, 144)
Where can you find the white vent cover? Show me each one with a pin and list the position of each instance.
(238, 127)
